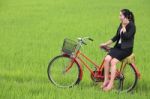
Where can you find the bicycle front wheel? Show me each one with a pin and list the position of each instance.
(63, 71)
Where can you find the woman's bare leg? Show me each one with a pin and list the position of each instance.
(106, 70)
(114, 61)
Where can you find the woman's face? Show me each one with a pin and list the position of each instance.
(121, 17)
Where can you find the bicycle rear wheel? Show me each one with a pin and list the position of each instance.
(129, 78)
(58, 75)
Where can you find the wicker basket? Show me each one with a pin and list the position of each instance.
(69, 46)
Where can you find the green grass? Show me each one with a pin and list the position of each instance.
(32, 32)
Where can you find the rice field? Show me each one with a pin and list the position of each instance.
(32, 33)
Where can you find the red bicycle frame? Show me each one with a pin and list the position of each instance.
(99, 68)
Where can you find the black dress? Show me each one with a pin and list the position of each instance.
(125, 48)
(119, 53)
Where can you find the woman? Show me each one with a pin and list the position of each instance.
(124, 39)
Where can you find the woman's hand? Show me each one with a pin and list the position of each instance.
(109, 42)
(106, 44)
(105, 47)
(123, 28)
(103, 44)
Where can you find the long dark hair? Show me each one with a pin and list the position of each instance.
(128, 14)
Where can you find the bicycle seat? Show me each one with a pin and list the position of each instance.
(129, 59)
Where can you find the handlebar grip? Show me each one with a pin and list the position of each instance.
(91, 39)
(84, 43)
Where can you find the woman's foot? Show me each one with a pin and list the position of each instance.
(104, 84)
(108, 87)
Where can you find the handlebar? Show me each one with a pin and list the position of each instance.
(83, 40)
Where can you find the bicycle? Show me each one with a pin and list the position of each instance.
(65, 70)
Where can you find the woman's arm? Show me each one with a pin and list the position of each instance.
(109, 42)
(127, 34)
(116, 36)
